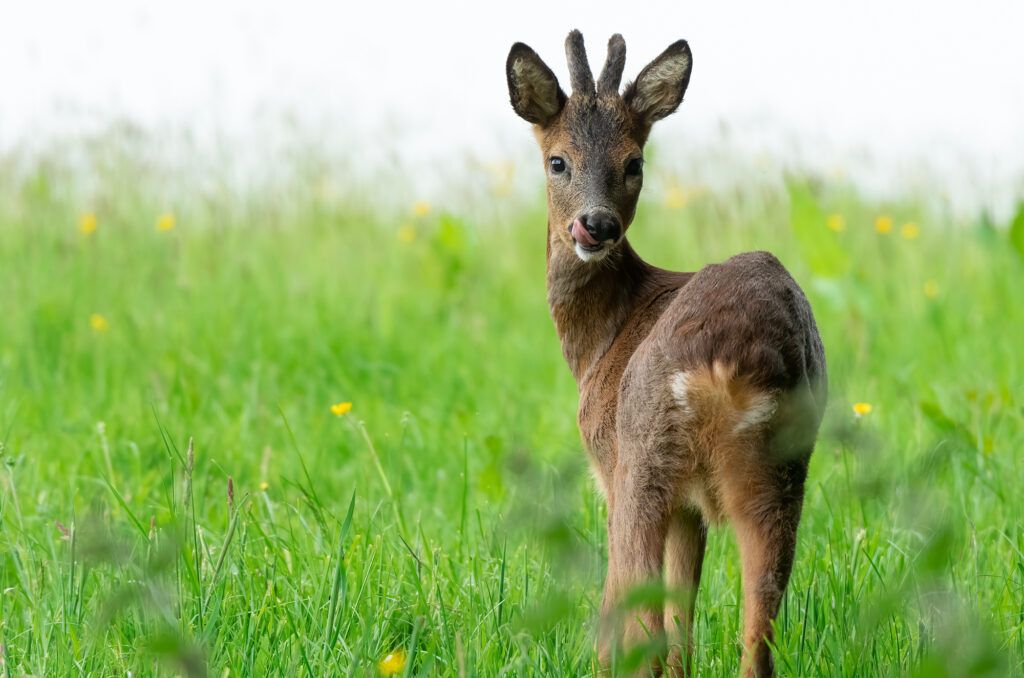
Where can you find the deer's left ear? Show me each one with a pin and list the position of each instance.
(658, 90)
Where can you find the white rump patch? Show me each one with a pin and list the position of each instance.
(680, 385)
(760, 412)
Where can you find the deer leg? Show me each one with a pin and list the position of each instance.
(766, 534)
(684, 557)
(637, 530)
(608, 627)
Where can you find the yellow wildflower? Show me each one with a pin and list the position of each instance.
(931, 289)
(883, 224)
(392, 664)
(263, 486)
(325, 190)
(675, 198)
(502, 178)
(87, 223)
(406, 233)
(860, 409)
(679, 195)
(341, 408)
(836, 222)
(910, 230)
(98, 323)
(421, 208)
(165, 222)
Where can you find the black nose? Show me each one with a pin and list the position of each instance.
(601, 225)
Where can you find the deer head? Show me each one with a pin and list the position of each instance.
(592, 141)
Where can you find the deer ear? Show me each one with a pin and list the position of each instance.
(658, 90)
(532, 87)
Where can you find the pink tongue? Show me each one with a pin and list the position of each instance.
(579, 231)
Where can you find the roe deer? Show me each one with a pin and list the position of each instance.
(701, 393)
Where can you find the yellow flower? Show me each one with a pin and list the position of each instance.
(502, 178)
(836, 222)
(421, 208)
(931, 289)
(392, 664)
(679, 195)
(165, 222)
(98, 323)
(860, 409)
(341, 408)
(263, 486)
(909, 230)
(675, 198)
(883, 224)
(87, 223)
(406, 233)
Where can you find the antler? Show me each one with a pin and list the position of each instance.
(580, 77)
(611, 74)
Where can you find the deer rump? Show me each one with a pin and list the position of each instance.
(725, 394)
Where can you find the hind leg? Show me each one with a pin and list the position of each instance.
(684, 558)
(765, 513)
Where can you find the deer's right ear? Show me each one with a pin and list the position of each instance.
(532, 87)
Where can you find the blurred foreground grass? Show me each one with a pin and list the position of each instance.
(445, 524)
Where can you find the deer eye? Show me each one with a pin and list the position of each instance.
(634, 167)
(557, 164)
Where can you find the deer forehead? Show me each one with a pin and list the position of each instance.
(592, 128)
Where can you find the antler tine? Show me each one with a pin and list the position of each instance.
(611, 74)
(579, 68)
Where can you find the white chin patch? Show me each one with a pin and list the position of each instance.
(588, 255)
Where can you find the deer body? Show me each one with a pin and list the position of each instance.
(700, 393)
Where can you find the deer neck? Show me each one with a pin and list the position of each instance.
(590, 302)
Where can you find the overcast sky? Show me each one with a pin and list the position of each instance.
(899, 81)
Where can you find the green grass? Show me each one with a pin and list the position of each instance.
(449, 514)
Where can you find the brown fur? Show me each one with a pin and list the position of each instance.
(700, 393)
(611, 74)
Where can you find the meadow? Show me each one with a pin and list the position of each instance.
(306, 432)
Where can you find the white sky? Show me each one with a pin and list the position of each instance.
(898, 81)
